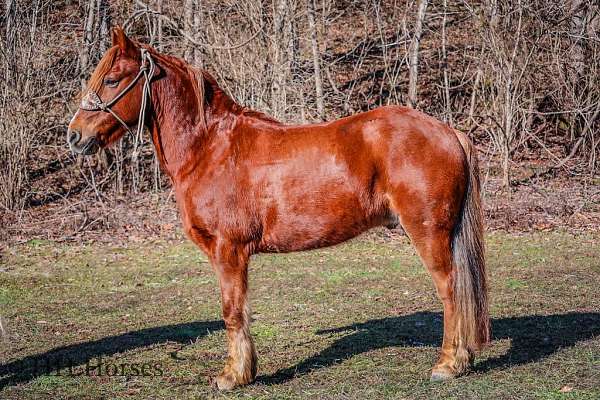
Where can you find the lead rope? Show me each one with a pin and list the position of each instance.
(148, 71)
(146, 93)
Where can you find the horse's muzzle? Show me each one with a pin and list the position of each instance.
(90, 146)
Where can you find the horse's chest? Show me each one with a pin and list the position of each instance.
(216, 213)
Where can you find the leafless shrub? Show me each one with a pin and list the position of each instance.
(520, 76)
(532, 78)
(21, 63)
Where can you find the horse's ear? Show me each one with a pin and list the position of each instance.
(119, 38)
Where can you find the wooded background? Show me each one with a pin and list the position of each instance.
(521, 77)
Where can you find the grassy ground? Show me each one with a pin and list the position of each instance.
(355, 321)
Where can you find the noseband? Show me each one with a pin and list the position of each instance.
(92, 102)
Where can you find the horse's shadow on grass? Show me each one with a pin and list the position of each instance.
(90, 353)
(532, 338)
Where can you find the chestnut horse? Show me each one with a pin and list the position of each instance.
(246, 184)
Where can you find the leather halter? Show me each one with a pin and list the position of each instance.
(92, 102)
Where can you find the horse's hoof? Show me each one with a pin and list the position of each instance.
(441, 375)
(223, 382)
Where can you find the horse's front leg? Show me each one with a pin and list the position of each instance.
(230, 262)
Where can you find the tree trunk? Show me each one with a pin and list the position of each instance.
(105, 24)
(197, 27)
(280, 63)
(448, 117)
(192, 20)
(578, 30)
(310, 13)
(10, 41)
(492, 10)
(159, 26)
(475, 87)
(414, 54)
(88, 40)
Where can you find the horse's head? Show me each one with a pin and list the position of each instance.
(114, 98)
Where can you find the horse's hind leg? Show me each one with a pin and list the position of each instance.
(433, 243)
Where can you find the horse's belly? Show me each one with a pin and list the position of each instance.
(294, 239)
(317, 223)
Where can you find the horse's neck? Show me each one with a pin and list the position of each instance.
(181, 126)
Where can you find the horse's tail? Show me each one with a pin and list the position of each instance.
(469, 280)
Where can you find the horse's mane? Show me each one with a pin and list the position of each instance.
(207, 86)
(196, 77)
(260, 115)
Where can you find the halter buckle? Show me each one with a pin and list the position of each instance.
(92, 102)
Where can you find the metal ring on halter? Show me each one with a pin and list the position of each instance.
(92, 101)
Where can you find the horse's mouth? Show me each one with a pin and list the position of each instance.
(90, 147)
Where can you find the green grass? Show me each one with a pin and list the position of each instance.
(357, 321)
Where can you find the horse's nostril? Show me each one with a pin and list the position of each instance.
(74, 137)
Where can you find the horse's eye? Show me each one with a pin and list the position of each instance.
(111, 82)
